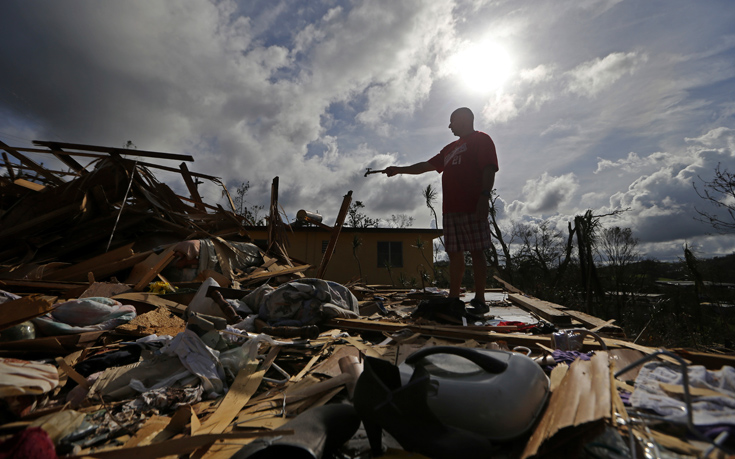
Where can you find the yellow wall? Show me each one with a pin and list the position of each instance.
(305, 244)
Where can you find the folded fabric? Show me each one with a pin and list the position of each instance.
(85, 315)
(21, 377)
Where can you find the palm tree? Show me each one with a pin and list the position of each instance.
(429, 194)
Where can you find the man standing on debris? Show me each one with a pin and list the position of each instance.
(468, 165)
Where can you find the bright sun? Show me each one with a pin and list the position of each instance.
(482, 67)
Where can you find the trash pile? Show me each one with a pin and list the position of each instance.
(136, 323)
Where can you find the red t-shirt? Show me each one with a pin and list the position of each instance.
(462, 163)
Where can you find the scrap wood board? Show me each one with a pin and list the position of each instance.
(555, 314)
(594, 322)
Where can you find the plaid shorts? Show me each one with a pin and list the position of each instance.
(465, 232)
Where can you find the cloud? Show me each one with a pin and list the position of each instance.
(536, 75)
(592, 77)
(545, 195)
(561, 128)
(633, 163)
(662, 204)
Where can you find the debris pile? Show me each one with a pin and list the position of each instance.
(138, 323)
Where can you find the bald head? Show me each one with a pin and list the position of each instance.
(462, 122)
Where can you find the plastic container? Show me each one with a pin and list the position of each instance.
(498, 394)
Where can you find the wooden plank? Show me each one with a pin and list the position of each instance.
(506, 285)
(245, 384)
(80, 270)
(267, 275)
(141, 269)
(152, 300)
(193, 191)
(544, 309)
(583, 397)
(30, 185)
(229, 197)
(595, 323)
(163, 260)
(113, 150)
(708, 359)
(335, 235)
(105, 289)
(32, 164)
(107, 270)
(69, 161)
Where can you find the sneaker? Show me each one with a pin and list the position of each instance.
(478, 307)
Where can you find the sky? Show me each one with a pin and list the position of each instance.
(595, 105)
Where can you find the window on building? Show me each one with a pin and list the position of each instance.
(390, 252)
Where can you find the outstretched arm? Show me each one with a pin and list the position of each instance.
(414, 169)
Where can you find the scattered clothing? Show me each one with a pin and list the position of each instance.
(306, 302)
(714, 405)
(85, 315)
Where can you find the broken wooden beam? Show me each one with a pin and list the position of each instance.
(192, 187)
(40, 170)
(335, 235)
(113, 150)
(543, 309)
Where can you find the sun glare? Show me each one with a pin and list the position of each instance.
(482, 67)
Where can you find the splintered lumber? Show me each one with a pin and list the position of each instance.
(192, 187)
(335, 235)
(583, 398)
(144, 272)
(244, 386)
(544, 309)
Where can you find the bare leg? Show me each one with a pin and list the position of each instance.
(479, 269)
(456, 272)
